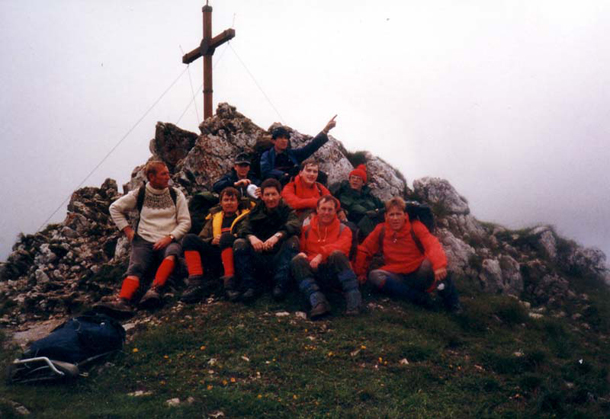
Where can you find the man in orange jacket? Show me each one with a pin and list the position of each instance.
(325, 245)
(414, 260)
(303, 192)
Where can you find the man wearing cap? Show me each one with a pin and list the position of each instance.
(282, 162)
(239, 177)
(360, 206)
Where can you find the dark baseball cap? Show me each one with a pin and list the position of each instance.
(242, 158)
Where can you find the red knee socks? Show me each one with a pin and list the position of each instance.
(193, 263)
(164, 271)
(129, 287)
(227, 261)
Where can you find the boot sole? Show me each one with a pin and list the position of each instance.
(115, 313)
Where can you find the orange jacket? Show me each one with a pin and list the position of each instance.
(300, 197)
(317, 240)
(400, 252)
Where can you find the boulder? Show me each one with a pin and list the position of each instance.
(501, 276)
(441, 195)
(459, 254)
(546, 242)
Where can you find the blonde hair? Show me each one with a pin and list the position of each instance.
(397, 202)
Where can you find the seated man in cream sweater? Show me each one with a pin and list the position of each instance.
(163, 220)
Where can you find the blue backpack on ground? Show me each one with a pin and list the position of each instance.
(70, 347)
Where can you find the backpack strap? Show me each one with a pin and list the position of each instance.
(140, 198)
(417, 241)
(142, 195)
(173, 194)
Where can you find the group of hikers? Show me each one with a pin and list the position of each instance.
(284, 231)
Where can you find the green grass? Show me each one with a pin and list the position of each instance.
(492, 361)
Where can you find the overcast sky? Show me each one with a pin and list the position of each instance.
(508, 100)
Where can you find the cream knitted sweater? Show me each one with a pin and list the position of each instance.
(159, 216)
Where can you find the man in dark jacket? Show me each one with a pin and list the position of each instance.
(214, 244)
(282, 162)
(361, 207)
(268, 242)
(239, 177)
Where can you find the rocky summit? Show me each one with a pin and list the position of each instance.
(68, 267)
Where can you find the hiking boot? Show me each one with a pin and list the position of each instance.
(118, 308)
(279, 293)
(228, 283)
(249, 295)
(354, 302)
(152, 299)
(352, 311)
(456, 309)
(194, 292)
(232, 295)
(319, 310)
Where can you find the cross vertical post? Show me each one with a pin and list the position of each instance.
(206, 49)
(208, 91)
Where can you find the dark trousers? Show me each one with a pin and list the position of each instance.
(251, 266)
(413, 286)
(336, 268)
(209, 253)
(143, 258)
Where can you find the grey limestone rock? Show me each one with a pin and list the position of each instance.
(457, 251)
(491, 276)
(547, 244)
(441, 194)
(501, 276)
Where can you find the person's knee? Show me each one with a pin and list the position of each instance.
(377, 277)
(173, 250)
(426, 267)
(299, 260)
(339, 259)
(240, 245)
(190, 242)
(137, 269)
(226, 240)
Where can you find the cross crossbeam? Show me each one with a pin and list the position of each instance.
(206, 50)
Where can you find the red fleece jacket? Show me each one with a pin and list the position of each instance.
(317, 240)
(301, 197)
(400, 252)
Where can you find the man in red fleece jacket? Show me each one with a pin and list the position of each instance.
(325, 245)
(414, 260)
(303, 192)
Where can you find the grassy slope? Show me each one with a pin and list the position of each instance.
(458, 366)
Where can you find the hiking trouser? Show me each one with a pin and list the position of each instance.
(143, 257)
(336, 268)
(208, 254)
(276, 264)
(413, 286)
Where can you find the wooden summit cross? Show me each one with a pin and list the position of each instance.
(206, 49)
